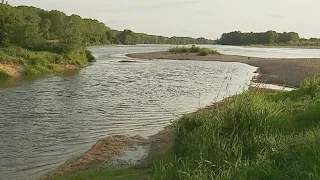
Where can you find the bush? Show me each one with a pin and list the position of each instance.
(204, 52)
(194, 49)
(89, 56)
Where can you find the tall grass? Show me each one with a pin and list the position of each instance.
(257, 135)
(201, 51)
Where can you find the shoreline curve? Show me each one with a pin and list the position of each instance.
(287, 72)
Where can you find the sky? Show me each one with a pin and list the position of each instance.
(194, 18)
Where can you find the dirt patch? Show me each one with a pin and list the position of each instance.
(68, 67)
(162, 142)
(98, 154)
(280, 71)
(12, 70)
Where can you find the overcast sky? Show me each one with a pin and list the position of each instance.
(196, 18)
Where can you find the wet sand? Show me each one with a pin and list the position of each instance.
(104, 150)
(281, 71)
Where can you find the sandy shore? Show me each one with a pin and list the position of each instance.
(102, 151)
(280, 71)
(18, 71)
(12, 70)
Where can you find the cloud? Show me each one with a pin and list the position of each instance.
(146, 6)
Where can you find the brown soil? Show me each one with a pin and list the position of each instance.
(280, 71)
(161, 142)
(12, 70)
(16, 71)
(68, 67)
(98, 154)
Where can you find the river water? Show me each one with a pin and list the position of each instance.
(47, 121)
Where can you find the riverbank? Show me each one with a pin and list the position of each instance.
(256, 135)
(16, 62)
(95, 162)
(285, 72)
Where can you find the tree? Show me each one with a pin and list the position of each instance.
(269, 37)
(45, 26)
(71, 38)
(127, 37)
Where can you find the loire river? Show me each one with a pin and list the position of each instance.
(47, 121)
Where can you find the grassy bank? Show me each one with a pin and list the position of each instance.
(200, 51)
(256, 135)
(29, 62)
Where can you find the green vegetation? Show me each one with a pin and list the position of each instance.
(266, 38)
(4, 75)
(201, 51)
(41, 62)
(110, 174)
(255, 135)
(46, 41)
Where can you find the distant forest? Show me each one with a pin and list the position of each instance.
(266, 38)
(30, 27)
(34, 41)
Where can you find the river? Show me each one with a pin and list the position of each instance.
(46, 121)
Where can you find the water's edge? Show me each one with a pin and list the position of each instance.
(47, 121)
(128, 153)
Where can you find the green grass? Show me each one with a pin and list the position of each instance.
(43, 62)
(201, 51)
(108, 174)
(4, 75)
(255, 135)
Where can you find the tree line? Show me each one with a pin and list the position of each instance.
(35, 29)
(266, 38)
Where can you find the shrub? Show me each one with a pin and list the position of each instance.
(175, 50)
(203, 52)
(194, 49)
(89, 56)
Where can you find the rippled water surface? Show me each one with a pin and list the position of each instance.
(46, 121)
